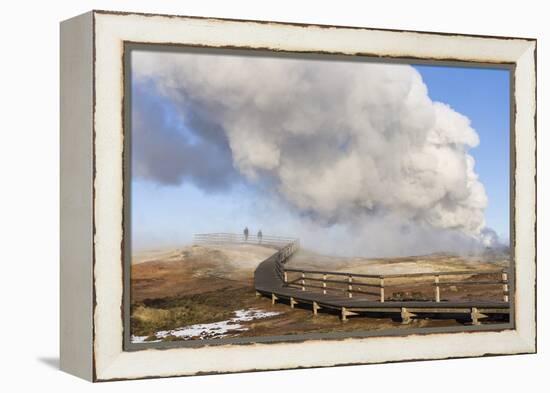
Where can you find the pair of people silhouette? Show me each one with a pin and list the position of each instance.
(246, 233)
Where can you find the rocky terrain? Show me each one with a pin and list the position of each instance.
(200, 292)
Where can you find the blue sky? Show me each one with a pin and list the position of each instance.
(169, 214)
(483, 96)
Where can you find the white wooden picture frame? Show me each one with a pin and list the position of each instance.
(92, 194)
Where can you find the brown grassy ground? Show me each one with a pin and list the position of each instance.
(196, 284)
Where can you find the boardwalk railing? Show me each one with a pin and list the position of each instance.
(286, 246)
(377, 285)
(221, 238)
(282, 256)
(354, 293)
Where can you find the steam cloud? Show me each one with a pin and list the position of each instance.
(341, 142)
(164, 153)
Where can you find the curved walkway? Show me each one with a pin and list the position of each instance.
(269, 280)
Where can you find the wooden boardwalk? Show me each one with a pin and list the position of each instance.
(351, 294)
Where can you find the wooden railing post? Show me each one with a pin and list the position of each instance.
(292, 302)
(350, 287)
(303, 281)
(437, 294)
(324, 284)
(316, 307)
(505, 286)
(382, 290)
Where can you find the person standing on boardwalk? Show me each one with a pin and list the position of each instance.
(245, 234)
(260, 234)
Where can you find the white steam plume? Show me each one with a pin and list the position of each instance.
(341, 141)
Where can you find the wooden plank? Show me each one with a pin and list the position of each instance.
(332, 289)
(332, 281)
(331, 273)
(494, 310)
(486, 282)
(449, 273)
(400, 275)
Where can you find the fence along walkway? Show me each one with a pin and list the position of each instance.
(353, 293)
(221, 238)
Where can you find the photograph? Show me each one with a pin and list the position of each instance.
(218, 197)
(272, 196)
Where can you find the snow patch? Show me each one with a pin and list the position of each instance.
(204, 331)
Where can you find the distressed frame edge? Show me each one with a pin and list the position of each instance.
(76, 196)
(525, 186)
(527, 340)
(304, 24)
